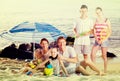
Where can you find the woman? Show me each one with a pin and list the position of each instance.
(40, 56)
(42, 53)
(102, 30)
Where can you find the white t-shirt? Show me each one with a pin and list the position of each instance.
(56, 66)
(69, 53)
(83, 25)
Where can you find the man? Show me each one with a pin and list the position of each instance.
(67, 54)
(70, 59)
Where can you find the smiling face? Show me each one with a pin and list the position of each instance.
(99, 11)
(83, 11)
(44, 43)
(54, 52)
(61, 43)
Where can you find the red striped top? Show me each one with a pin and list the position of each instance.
(100, 30)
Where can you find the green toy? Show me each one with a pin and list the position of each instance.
(82, 34)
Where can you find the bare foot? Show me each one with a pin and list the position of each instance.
(13, 71)
(101, 74)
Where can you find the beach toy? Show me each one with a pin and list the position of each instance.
(48, 70)
(82, 34)
(103, 34)
(29, 73)
(49, 66)
(32, 65)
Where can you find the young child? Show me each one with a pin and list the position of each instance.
(55, 62)
(54, 59)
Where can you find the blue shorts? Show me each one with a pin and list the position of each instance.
(104, 44)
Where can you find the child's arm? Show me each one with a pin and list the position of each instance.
(63, 68)
(42, 65)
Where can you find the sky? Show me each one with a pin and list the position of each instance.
(50, 6)
(15, 11)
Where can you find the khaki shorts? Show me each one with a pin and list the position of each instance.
(70, 67)
(71, 70)
(82, 49)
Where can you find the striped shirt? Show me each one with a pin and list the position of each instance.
(101, 30)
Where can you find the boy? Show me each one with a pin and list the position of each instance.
(82, 29)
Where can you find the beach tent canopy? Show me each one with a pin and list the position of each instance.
(32, 32)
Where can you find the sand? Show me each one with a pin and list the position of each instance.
(6, 65)
(113, 74)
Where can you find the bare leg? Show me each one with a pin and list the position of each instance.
(24, 70)
(83, 64)
(104, 56)
(85, 57)
(82, 67)
(93, 66)
(82, 70)
(93, 53)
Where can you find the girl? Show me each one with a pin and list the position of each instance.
(102, 30)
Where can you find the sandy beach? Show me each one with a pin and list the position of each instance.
(7, 65)
(113, 73)
(61, 14)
